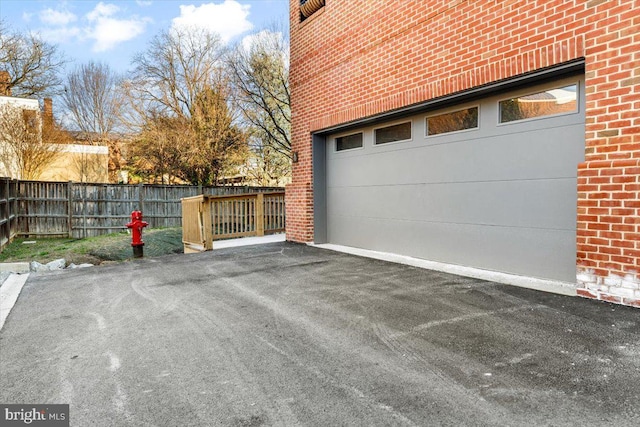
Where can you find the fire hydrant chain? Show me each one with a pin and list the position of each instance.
(136, 225)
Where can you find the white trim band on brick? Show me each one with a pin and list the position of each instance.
(552, 286)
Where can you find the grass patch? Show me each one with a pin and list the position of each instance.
(94, 250)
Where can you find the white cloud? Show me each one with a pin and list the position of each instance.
(57, 24)
(102, 11)
(228, 19)
(102, 25)
(26, 16)
(143, 3)
(56, 17)
(107, 31)
(60, 34)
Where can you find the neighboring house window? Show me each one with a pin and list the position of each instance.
(393, 133)
(349, 142)
(309, 7)
(550, 102)
(453, 121)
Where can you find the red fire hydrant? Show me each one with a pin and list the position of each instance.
(136, 225)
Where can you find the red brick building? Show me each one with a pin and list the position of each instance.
(499, 135)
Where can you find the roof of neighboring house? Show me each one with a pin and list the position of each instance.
(84, 149)
(95, 137)
(25, 103)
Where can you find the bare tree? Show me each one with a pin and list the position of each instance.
(26, 147)
(92, 97)
(33, 64)
(218, 146)
(266, 166)
(178, 103)
(156, 153)
(259, 70)
(177, 66)
(199, 149)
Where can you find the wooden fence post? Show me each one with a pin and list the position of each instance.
(141, 198)
(207, 224)
(70, 208)
(84, 209)
(5, 228)
(13, 191)
(260, 214)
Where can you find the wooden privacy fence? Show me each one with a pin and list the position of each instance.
(70, 209)
(207, 218)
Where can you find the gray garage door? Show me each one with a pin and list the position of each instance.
(489, 184)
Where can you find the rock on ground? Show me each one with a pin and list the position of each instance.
(57, 264)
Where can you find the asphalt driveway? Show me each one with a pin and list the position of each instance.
(286, 334)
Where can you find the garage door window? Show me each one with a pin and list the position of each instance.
(452, 122)
(393, 133)
(349, 142)
(560, 100)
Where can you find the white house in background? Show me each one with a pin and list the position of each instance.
(79, 163)
(75, 162)
(25, 105)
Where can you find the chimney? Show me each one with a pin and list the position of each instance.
(5, 83)
(48, 112)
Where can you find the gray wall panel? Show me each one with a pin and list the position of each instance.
(501, 197)
(510, 203)
(502, 157)
(530, 252)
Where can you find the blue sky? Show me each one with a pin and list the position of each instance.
(112, 31)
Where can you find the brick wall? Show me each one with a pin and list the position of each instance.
(359, 58)
(609, 180)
